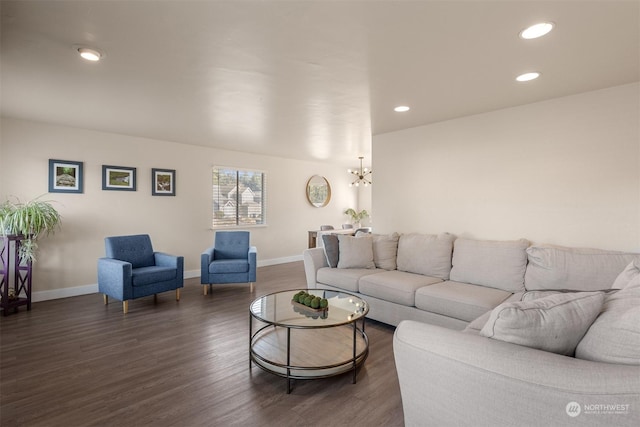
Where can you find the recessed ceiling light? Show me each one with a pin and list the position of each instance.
(401, 109)
(528, 76)
(90, 54)
(537, 30)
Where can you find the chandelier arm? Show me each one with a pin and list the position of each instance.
(361, 175)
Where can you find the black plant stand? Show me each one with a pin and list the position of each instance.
(21, 294)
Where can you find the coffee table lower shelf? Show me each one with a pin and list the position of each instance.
(294, 353)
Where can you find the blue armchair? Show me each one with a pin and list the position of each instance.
(131, 269)
(230, 260)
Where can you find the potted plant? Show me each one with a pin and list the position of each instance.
(356, 217)
(31, 220)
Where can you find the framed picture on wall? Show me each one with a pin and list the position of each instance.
(163, 182)
(119, 178)
(65, 176)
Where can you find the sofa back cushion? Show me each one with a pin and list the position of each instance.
(555, 323)
(385, 250)
(628, 275)
(355, 252)
(331, 249)
(614, 337)
(557, 267)
(426, 254)
(496, 264)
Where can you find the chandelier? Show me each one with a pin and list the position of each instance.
(361, 175)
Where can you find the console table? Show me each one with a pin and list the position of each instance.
(313, 235)
(20, 271)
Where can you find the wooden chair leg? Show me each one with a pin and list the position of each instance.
(178, 294)
(105, 297)
(155, 298)
(205, 287)
(250, 286)
(125, 306)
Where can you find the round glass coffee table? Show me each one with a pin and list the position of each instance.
(294, 342)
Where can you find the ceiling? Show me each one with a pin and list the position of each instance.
(309, 80)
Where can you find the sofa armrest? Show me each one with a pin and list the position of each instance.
(205, 259)
(253, 263)
(314, 259)
(114, 278)
(166, 260)
(452, 378)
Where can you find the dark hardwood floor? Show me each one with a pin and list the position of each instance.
(75, 362)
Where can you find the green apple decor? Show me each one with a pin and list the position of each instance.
(311, 301)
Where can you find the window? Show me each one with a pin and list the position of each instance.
(238, 197)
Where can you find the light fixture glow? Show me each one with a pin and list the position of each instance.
(528, 76)
(537, 30)
(89, 54)
(361, 175)
(401, 108)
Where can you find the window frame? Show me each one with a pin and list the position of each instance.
(238, 222)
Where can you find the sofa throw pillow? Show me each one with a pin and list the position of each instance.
(426, 254)
(555, 323)
(491, 263)
(557, 267)
(614, 337)
(385, 250)
(628, 274)
(355, 252)
(331, 249)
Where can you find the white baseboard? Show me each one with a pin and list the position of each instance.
(64, 292)
(283, 260)
(93, 288)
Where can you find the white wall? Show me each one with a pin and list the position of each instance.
(564, 171)
(181, 225)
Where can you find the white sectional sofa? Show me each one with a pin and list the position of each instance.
(421, 277)
(498, 332)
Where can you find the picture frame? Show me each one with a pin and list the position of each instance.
(163, 182)
(118, 178)
(66, 176)
(318, 191)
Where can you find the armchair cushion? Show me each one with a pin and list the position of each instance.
(136, 250)
(147, 275)
(229, 266)
(231, 245)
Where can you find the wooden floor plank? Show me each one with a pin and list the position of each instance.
(76, 362)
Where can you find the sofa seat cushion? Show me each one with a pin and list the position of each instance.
(557, 267)
(459, 300)
(146, 275)
(492, 263)
(395, 286)
(225, 266)
(344, 278)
